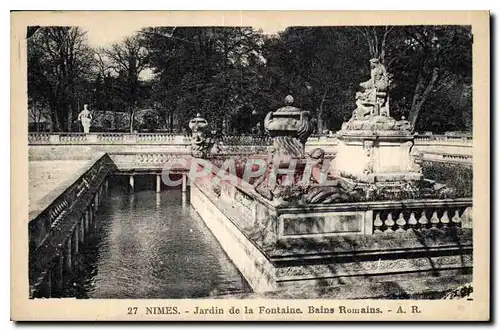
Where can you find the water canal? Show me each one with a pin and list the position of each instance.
(153, 245)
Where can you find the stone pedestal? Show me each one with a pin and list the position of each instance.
(376, 156)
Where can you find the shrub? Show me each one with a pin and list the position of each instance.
(453, 175)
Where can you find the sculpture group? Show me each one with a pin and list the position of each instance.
(372, 104)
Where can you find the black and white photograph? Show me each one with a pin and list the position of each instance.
(243, 162)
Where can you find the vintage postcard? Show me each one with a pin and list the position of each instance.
(246, 165)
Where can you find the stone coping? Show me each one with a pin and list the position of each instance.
(377, 205)
(49, 198)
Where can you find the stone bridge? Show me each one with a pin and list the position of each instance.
(149, 147)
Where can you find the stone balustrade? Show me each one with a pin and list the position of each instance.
(142, 161)
(57, 229)
(48, 218)
(98, 138)
(246, 140)
(443, 215)
(443, 137)
(162, 138)
(443, 148)
(447, 157)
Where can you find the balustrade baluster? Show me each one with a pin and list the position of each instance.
(456, 218)
(466, 218)
(423, 221)
(389, 223)
(445, 220)
(377, 224)
(434, 219)
(412, 221)
(401, 222)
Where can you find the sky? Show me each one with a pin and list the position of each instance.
(104, 35)
(107, 33)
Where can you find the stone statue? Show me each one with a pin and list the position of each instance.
(202, 139)
(372, 104)
(375, 92)
(85, 117)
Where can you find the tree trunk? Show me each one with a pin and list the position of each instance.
(421, 95)
(131, 120)
(54, 116)
(320, 113)
(70, 118)
(320, 121)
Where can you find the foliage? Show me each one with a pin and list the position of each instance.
(456, 176)
(426, 63)
(234, 76)
(59, 61)
(126, 60)
(211, 70)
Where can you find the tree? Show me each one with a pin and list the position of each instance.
(442, 53)
(59, 58)
(320, 66)
(127, 60)
(423, 60)
(208, 70)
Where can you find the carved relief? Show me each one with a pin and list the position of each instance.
(368, 148)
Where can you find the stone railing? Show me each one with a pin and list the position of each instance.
(161, 138)
(415, 215)
(142, 161)
(447, 157)
(246, 140)
(443, 137)
(444, 148)
(103, 138)
(47, 219)
(314, 140)
(52, 225)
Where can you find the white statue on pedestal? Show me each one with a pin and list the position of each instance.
(85, 117)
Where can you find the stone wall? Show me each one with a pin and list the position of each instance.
(311, 248)
(56, 231)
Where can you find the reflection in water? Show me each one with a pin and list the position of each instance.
(154, 245)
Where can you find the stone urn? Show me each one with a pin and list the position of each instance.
(289, 127)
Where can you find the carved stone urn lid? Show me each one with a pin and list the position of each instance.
(198, 123)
